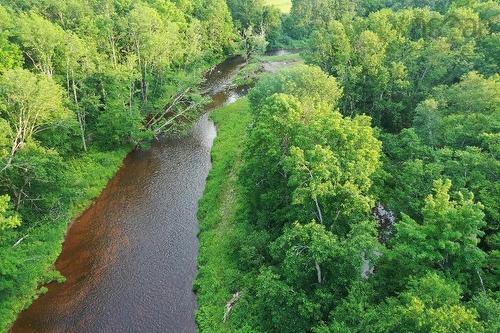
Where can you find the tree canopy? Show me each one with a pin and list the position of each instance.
(365, 198)
(368, 185)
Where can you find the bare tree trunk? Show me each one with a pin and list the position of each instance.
(315, 198)
(145, 83)
(113, 49)
(171, 120)
(158, 117)
(130, 96)
(142, 69)
(81, 114)
(320, 215)
(230, 305)
(318, 272)
(480, 280)
(81, 121)
(21, 135)
(20, 240)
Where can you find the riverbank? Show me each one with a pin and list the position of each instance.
(103, 232)
(249, 74)
(218, 274)
(141, 213)
(219, 279)
(41, 244)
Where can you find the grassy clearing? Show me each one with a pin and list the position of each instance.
(218, 274)
(249, 74)
(283, 5)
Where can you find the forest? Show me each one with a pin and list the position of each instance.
(366, 188)
(356, 192)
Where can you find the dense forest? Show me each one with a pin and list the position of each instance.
(367, 186)
(358, 192)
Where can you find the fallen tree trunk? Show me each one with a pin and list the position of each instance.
(230, 305)
(19, 241)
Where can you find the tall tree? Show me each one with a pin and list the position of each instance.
(447, 240)
(31, 103)
(41, 40)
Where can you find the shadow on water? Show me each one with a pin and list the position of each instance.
(130, 259)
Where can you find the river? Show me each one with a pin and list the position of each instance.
(131, 258)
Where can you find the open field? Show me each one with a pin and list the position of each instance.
(284, 5)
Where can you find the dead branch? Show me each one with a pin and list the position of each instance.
(157, 117)
(171, 120)
(20, 240)
(230, 305)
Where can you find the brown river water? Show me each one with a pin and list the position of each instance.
(131, 258)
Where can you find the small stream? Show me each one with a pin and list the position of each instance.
(131, 258)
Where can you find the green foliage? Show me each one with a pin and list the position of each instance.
(81, 83)
(454, 137)
(283, 5)
(302, 248)
(258, 21)
(462, 114)
(296, 127)
(368, 6)
(307, 16)
(218, 275)
(462, 155)
(488, 309)
(431, 304)
(30, 103)
(35, 180)
(253, 44)
(447, 239)
(8, 220)
(390, 61)
(292, 173)
(281, 308)
(309, 84)
(246, 12)
(286, 219)
(40, 40)
(10, 55)
(312, 258)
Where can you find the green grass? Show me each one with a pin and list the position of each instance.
(287, 57)
(43, 242)
(218, 275)
(283, 5)
(249, 74)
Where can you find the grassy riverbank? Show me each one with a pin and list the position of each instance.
(261, 64)
(218, 275)
(40, 244)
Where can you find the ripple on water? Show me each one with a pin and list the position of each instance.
(131, 258)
